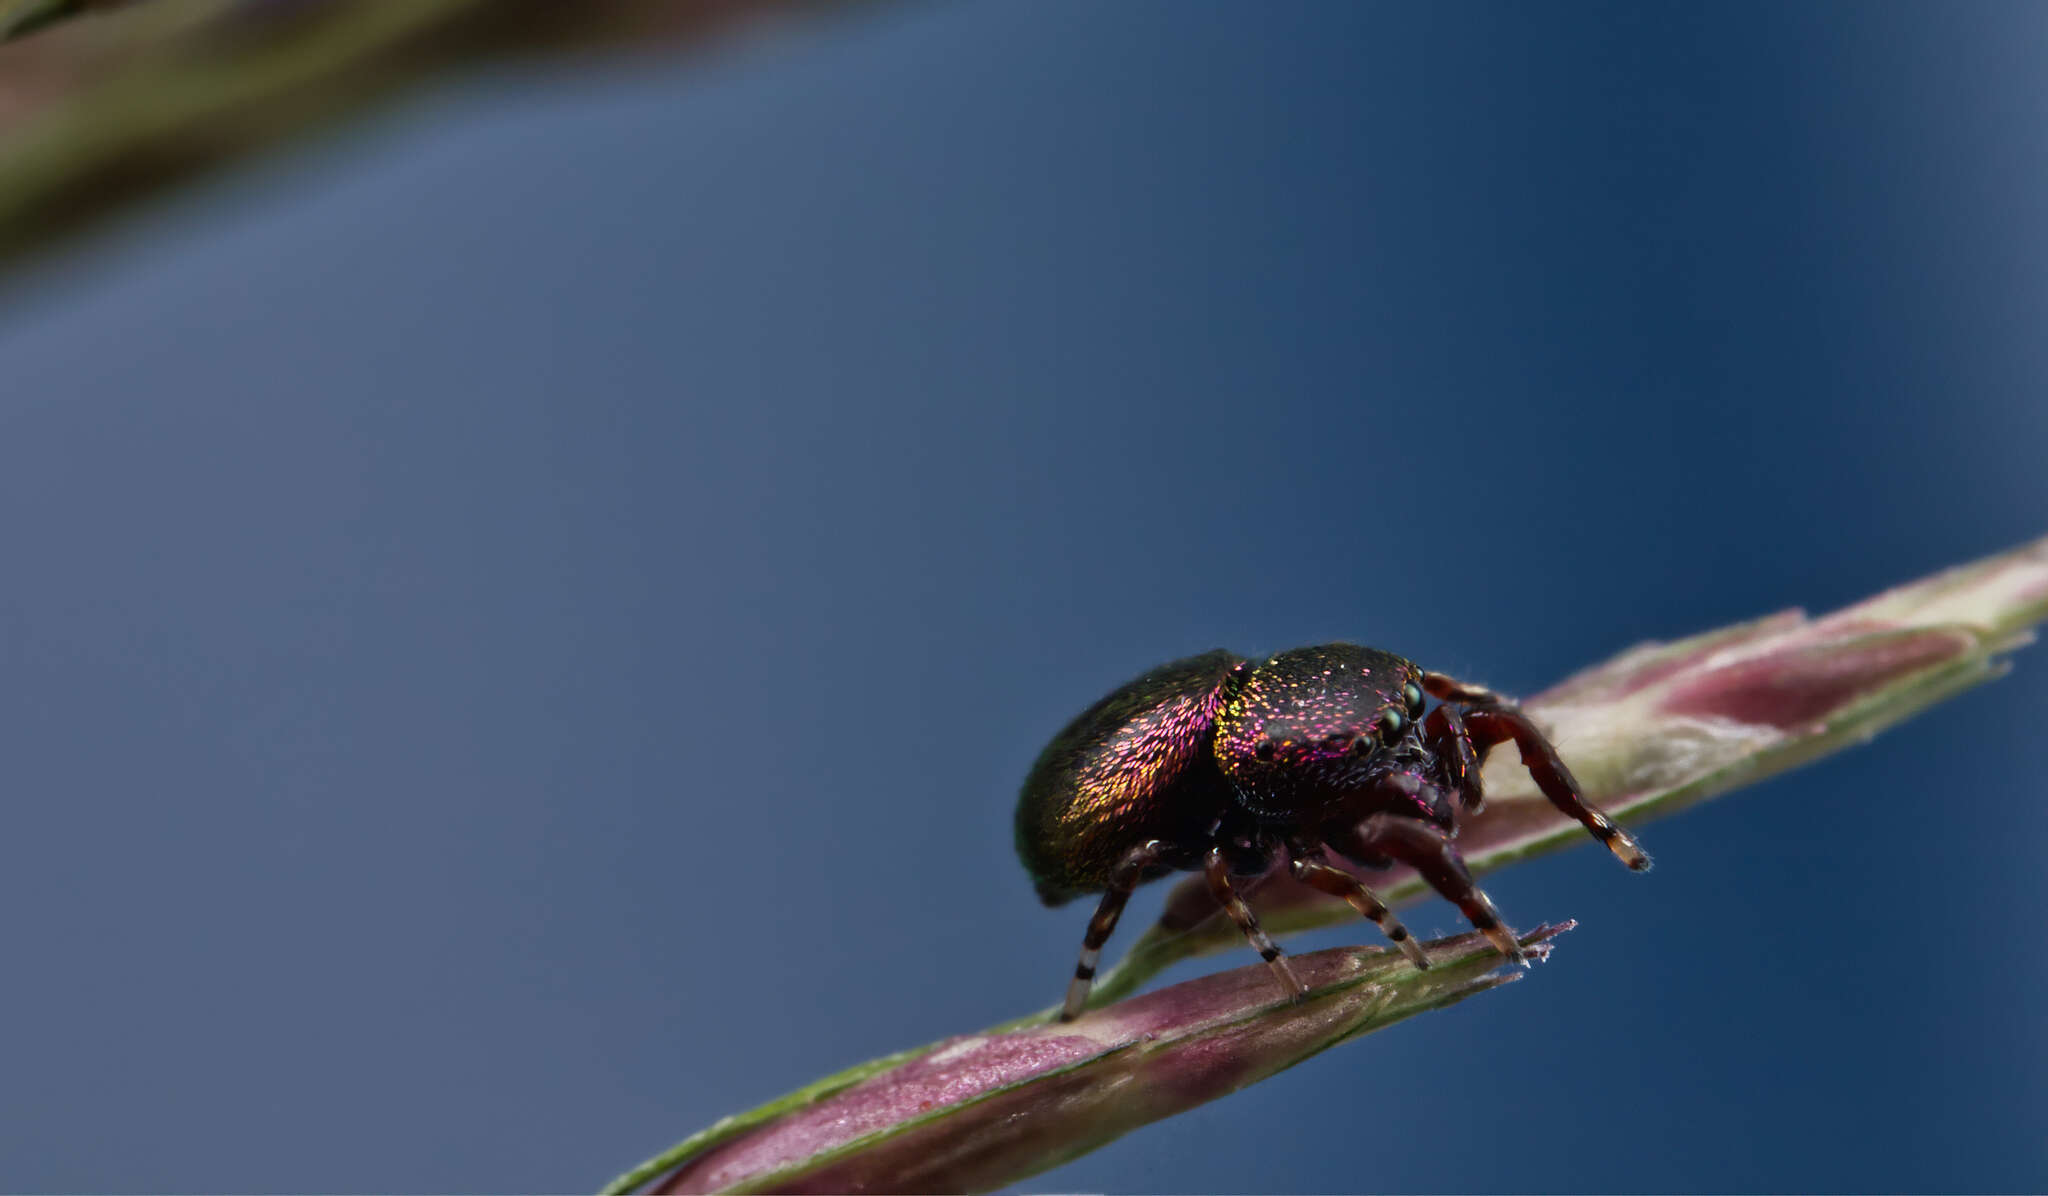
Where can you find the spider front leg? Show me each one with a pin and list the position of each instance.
(1432, 854)
(1217, 868)
(1490, 719)
(1306, 863)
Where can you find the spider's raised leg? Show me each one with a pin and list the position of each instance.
(1122, 879)
(1308, 867)
(1446, 688)
(1218, 870)
(1492, 719)
(1432, 854)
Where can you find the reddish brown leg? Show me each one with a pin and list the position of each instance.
(1308, 867)
(1492, 719)
(1122, 879)
(1218, 871)
(1449, 689)
(1428, 851)
(1446, 734)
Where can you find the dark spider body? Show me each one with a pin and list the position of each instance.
(1220, 764)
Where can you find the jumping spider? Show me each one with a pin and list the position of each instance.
(1217, 763)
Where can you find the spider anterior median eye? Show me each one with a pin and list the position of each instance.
(1390, 725)
(1413, 693)
(1263, 749)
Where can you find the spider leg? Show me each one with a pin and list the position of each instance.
(1218, 871)
(1445, 688)
(1492, 719)
(1122, 879)
(1432, 854)
(1308, 867)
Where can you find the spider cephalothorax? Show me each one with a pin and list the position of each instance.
(1217, 763)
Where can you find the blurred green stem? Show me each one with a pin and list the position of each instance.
(1649, 732)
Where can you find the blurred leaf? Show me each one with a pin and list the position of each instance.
(105, 105)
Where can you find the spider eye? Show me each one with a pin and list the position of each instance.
(1391, 724)
(1413, 693)
(1264, 749)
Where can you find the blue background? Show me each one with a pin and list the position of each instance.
(521, 627)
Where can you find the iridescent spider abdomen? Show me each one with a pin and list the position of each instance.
(1219, 763)
(1134, 767)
